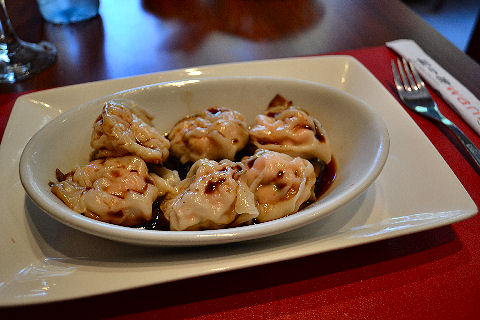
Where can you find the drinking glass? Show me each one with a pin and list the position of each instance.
(20, 60)
(68, 11)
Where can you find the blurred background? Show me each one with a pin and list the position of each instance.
(454, 19)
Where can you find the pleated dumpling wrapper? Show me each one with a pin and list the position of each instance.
(280, 183)
(115, 190)
(216, 133)
(214, 195)
(124, 128)
(288, 129)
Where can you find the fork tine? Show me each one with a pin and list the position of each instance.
(406, 84)
(417, 77)
(406, 65)
(396, 78)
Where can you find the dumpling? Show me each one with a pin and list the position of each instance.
(115, 190)
(288, 129)
(124, 128)
(216, 133)
(214, 195)
(280, 183)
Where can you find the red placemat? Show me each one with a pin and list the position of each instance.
(431, 274)
(6, 104)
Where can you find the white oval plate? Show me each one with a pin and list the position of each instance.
(358, 135)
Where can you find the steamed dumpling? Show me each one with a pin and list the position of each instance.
(124, 128)
(115, 190)
(280, 183)
(288, 129)
(214, 195)
(216, 133)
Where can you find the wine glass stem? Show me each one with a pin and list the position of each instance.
(7, 34)
(19, 59)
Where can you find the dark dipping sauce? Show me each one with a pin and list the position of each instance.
(324, 180)
(325, 177)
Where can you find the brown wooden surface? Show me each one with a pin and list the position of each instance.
(132, 37)
(473, 48)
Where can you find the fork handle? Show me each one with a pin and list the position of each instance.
(469, 146)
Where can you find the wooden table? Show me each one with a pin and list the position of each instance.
(133, 37)
(407, 277)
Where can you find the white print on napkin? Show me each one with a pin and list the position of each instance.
(452, 91)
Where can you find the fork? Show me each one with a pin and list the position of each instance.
(412, 91)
